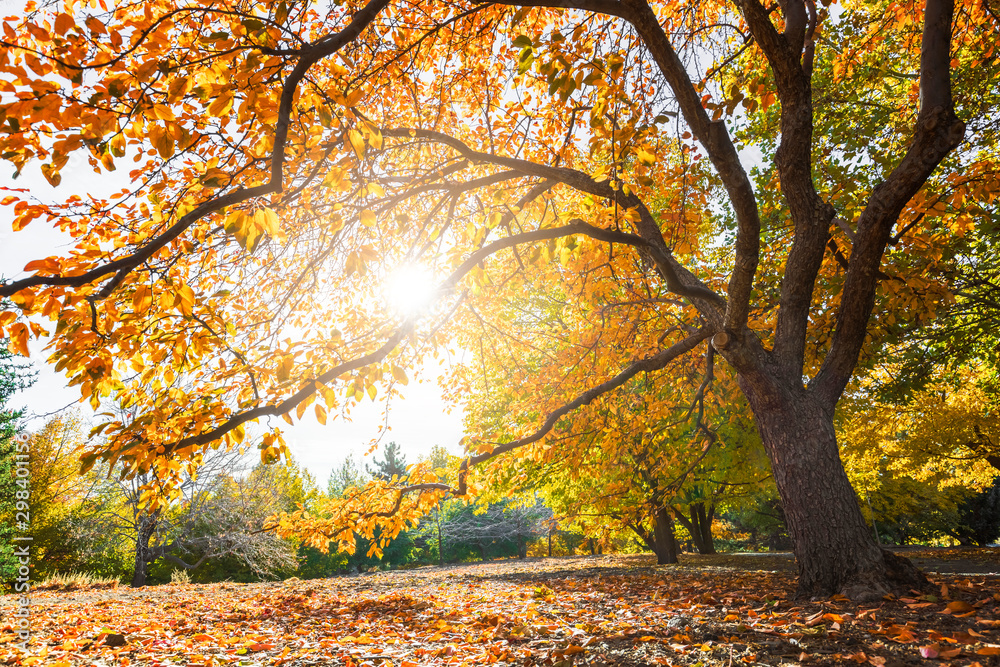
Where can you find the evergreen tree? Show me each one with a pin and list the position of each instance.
(346, 476)
(393, 464)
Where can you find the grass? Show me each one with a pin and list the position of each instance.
(70, 581)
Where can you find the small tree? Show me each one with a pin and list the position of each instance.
(502, 529)
(221, 512)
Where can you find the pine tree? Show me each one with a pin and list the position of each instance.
(393, 464)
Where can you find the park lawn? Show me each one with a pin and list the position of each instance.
(604, 610)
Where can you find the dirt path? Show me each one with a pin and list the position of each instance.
(932, 560)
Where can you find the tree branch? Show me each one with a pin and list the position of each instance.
(811, 216)
(125, 265)
(648, 364)
(679, 280)
(938, 131)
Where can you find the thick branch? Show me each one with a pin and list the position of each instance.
(811, 216)
(123, 266)
(649, 364)
(938, 132)
(679, 280)
(187, 566)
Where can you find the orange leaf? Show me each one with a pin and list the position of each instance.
(260, 647)
(960, 607)
(19, 338)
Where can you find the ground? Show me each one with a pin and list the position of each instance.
(604, 610)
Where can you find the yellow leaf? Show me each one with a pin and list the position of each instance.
(64, 23)
(142, 299)
(645, 157)
(19, 338)
(357, 142)
(267, 219)
(235, 222)
(400, 375)
(354, 96)
(367, 218)
(221, 105)
(185, 300)
(163, 112)
(320, 414)
(162, 142)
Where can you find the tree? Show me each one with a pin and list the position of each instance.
(496, 530)
(14, 376)
(917, 460)
(219, 513)
(391, 467)
(291, 157)
(341, 479)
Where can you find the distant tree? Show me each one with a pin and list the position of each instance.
(916, 459)
(58, 491)
(14, 376)
(345, 476)
(503, 529)
(220, 513)
(979, 517)
(393, 464)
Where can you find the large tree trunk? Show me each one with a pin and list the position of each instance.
(664, 542)
(147, 525)
(834, 547)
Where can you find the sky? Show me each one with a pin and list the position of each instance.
(419, 419)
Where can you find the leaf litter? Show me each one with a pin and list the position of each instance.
(604, 610)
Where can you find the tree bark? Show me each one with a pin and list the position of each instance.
(664, 542)
(699, 525)
(440, 540)
(147, 525)
(834, 548)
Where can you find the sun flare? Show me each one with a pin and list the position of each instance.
(410, 290)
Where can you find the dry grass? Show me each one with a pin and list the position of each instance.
(181, 577)
(71, 581)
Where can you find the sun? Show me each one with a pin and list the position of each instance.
(410, 290)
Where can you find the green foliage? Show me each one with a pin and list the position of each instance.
(344, 477)
(14, 376)
(392, 464)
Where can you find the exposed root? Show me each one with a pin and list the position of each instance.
(902, 574)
